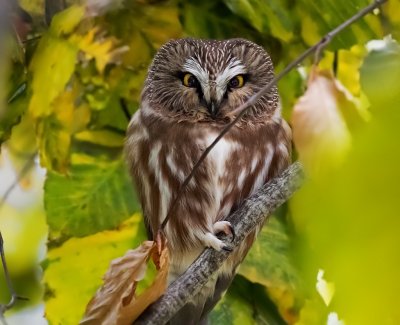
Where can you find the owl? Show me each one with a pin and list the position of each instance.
(190, 94)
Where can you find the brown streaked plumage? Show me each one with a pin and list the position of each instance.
(191, 88)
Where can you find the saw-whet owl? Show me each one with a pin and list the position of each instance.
(191, 90)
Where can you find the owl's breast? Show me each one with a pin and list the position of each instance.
(162, 155)
(238, 168)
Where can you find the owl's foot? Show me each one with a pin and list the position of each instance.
(210, 240)
(224, 227)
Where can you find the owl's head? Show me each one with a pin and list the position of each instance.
(204, 80)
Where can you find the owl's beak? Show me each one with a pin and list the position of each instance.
(213, 108)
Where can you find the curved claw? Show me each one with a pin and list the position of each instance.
(232, 230)
(227, 248)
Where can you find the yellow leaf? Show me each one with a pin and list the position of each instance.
(349, 68)
(159, 23)
(115, 302)
(309, 314)
(51, 68)
(140, 51)
(54, 134)
(74, 270)
(391, 9)
(22, 229)
(102, 137)
(54, 145)
(23, 141)
(320, 132)
(95, 45)
(67, 20)
(309, 28)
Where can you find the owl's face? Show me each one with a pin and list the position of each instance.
(205, 80)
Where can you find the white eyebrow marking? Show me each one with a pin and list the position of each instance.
(233, 69)
(193, 66)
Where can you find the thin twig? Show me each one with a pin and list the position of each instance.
(18, 92)
(14, 296)
(335, 63)
(13, 299)
(242, 109)
(32, 39)
(2, 319)
(27, 166)
(125, 110)
(251, 214)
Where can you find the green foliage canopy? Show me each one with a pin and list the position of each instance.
(84, 66)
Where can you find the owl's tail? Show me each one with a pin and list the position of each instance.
(196, 312)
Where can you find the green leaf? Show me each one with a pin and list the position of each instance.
(157, 22)
(268, 263)
(382, 64)
(209, 19)
(232, 310)
(102, 137)
(390, 10)
(92, 197)
(47, 68)
(266, 17)
(13, 113)
(54, 131)
(74, 271)
(318, 18)
(245, 303)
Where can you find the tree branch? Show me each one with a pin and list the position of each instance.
(25, 169)
(253, 212)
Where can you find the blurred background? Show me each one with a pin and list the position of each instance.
(71, 73)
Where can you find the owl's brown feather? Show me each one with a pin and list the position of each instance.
(172, 129)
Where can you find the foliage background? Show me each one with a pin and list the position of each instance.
(69, 91)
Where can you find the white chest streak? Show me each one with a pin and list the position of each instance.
(233, 69)
(218, 157)
(165, 191)
(266, 164)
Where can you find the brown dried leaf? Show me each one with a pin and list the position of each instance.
(320, 131)
(115, 303)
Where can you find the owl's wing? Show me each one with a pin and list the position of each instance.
(197, 314)
(136, 145)
(280, 161)
(147, 225)
(223, 283)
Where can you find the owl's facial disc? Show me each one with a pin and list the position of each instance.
(213, 88)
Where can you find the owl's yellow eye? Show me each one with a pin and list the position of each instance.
(237, 81)
(189, 80)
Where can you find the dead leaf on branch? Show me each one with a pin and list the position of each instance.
(321, 119)
(116, 303)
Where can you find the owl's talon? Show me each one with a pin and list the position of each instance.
(227, 248)
(224, 227)
(210, 240)
(232, 230)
